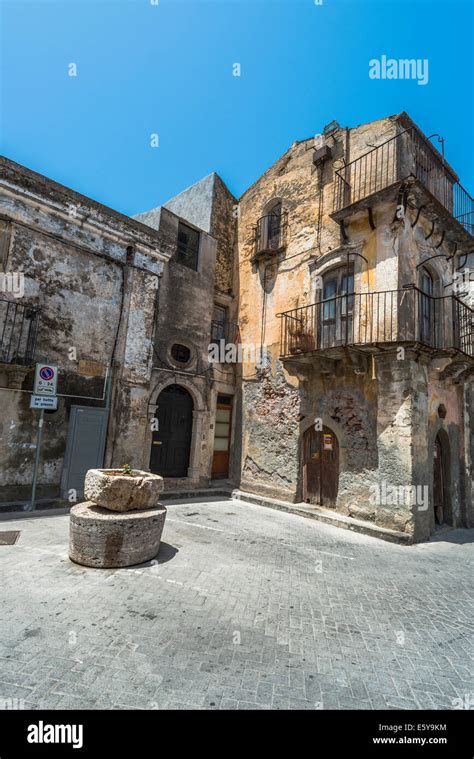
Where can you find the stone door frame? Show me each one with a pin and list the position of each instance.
(199, 412)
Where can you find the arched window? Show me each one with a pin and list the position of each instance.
(269, 236)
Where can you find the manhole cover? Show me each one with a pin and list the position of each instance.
(9, 538)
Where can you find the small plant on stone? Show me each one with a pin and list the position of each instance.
(127, 469)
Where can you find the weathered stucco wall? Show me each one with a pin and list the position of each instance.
(94, 274)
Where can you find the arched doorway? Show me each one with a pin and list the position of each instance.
(320, 460)
(171, 443)
(441, 480)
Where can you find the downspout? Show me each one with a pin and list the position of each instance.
(110, 440)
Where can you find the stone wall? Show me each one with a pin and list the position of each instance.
(94, 274)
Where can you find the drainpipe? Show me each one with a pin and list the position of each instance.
(110, 440)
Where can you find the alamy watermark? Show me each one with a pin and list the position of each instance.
(12, 282)
(12, 703)
(222, 352)
(402, 68)
(385, 494)
(463, 280)
(464, 702)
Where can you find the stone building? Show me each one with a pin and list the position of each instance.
(127, 313)
(87, 304)
(194, 401)
(340, 281)
(348, 248)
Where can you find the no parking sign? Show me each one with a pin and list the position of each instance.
(46, 379)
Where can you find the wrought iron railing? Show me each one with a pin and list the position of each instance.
(270, 233)
(19, 326)
(406, 155)
(368, 319)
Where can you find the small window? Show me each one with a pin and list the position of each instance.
(180, 353)
(269, 230)
(274, 226)
(188, 246)
(219, 322)
(442, 412)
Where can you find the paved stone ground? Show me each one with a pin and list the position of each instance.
(246, 608)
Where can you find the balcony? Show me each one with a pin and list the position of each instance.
(19, 325)
(270, 234)
(370, 321)
(406, 156)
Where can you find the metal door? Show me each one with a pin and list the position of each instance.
(171, 444)
(84, 447)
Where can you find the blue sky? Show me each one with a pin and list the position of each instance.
(166, 69)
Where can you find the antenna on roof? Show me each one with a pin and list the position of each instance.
(331, 127)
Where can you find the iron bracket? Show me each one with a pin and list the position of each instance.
(371, 218)
(432, 230)
(441, 241)
(417, 216)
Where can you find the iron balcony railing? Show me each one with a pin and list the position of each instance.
(270, 233)
(369, 319)
(19, 326)
(406, 155)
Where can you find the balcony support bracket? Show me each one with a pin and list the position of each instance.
(431, 231)
(441, 241)
(343, 231)
(436, 255)
(417, 216)
(402, 202)
(371, 217)
(454, 251)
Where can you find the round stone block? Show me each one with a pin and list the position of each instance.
(101, 538)
(114, 490)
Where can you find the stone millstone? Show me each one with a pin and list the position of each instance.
(102, 538)
(114, 490)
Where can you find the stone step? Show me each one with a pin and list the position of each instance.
(326, 516)
(204, 494)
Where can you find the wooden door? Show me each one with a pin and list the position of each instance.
(320, 458)
(171, 444)
(438, 482)
(222, 433)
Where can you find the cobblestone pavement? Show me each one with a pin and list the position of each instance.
(246, 608)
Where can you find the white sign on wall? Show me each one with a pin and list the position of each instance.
(46, 379)
(44, 401)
